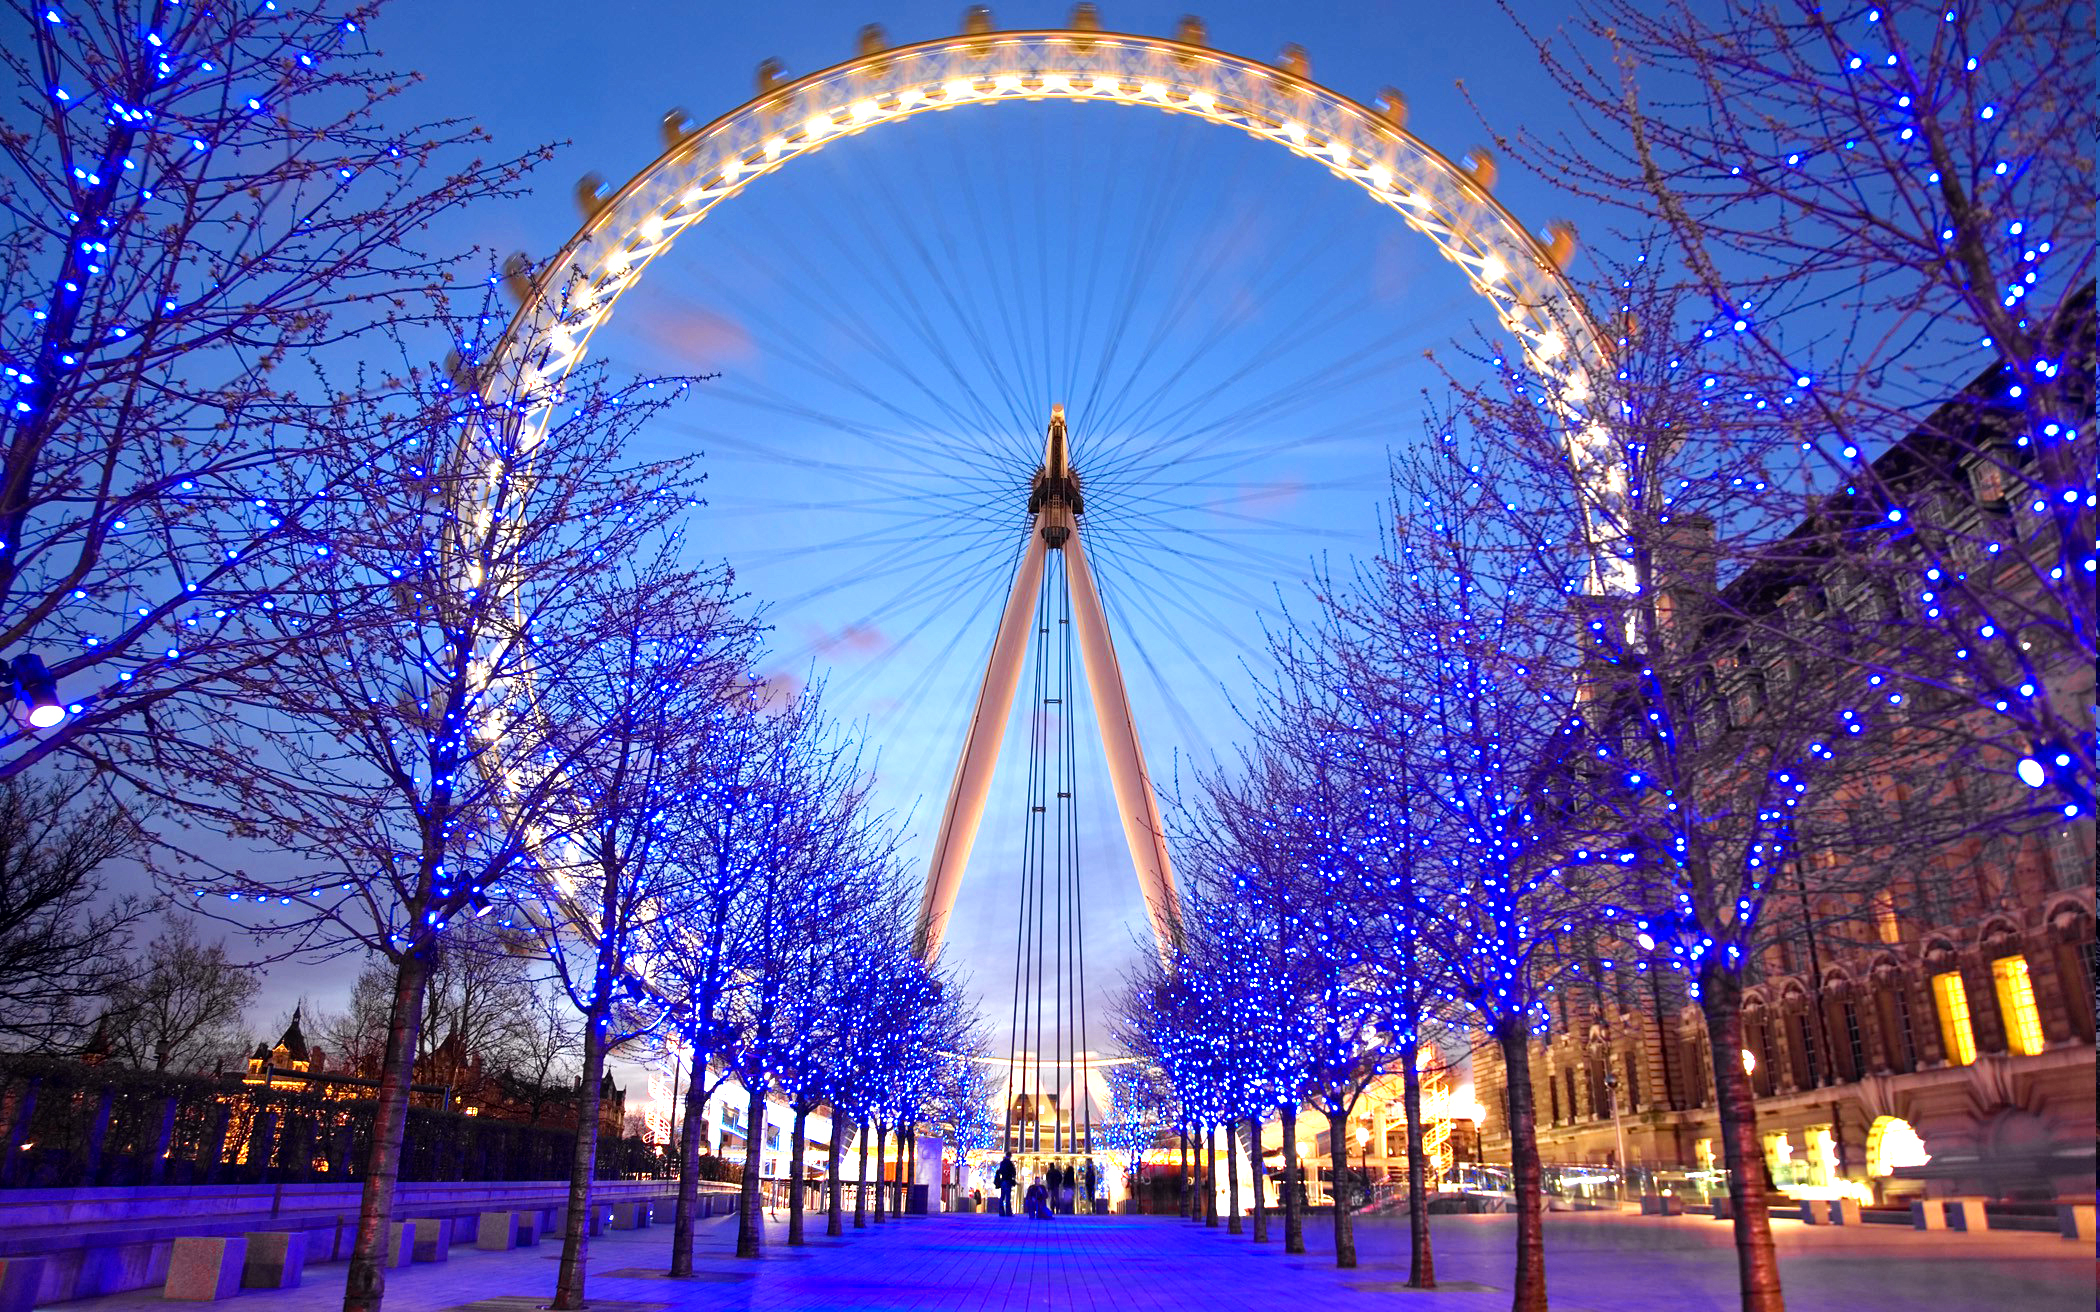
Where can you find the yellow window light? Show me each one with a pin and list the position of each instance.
(1953, 1005)
(2023, 1021)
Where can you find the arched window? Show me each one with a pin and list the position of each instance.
(2071, 939)
(1950, 998)
(1892, 1017)
(1892, 1144)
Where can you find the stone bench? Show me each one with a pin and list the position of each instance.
(630, 1216)
(276, 1259)
(19, 1278)
(1830, 1211)
(2075, 1221)
(1961, 1213)
(1661, 1205)
(496, 1232)
(206, 1269)
(433, 1239)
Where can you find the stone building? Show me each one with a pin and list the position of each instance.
(1925, 1030)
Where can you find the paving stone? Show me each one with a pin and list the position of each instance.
(1595, 1262)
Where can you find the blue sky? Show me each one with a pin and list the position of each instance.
(1240, 337)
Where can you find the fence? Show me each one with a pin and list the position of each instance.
(69, 1124)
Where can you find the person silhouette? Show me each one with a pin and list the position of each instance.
(1004, 1177)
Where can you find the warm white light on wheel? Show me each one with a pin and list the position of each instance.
(1492, 269)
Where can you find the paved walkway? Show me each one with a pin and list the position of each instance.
(1594, 1262)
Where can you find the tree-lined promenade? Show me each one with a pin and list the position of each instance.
(369, 641)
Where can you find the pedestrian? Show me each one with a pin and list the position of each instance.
(1037, 1201)
(1004, 1177)
(1092, 1181)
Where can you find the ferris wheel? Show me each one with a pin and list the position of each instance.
(1021, 393)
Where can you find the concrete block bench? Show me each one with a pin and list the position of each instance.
(630, 1216)
(276, 1259)
(433, 1239)
(496, 1232)
(1830, 1211)
(530, 1224)
(206, 1269)
(2075, 1221)
(1661, 1205)
(1963, 1213)
(19, 1278)
(401, 1242)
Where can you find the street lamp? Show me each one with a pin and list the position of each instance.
(1611, 1087)
(37, 691)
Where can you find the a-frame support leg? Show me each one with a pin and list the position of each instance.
(973, 772)
(1136, 803)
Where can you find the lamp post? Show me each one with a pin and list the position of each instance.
(37, 692)
(1611, 1087)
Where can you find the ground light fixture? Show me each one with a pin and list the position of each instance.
(37, 691)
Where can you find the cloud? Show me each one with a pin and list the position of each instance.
(691, 335)
(853, 640)
(1267, 498)
(779, 688)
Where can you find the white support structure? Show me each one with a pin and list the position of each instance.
(1056, 503)
(1136, 804)
(973, 772)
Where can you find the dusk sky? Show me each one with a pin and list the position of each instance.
(1239, 337)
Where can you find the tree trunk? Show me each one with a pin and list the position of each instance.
(882, 1143)
(1210, 1176)
(1421, 1260)
(365, 1284)
(860, 1183)
(834, 1221)
(1293, 1218)
(751, 1214)
(795, 1178)
(1529, 1283)
(1187, 1202)
(1232, 1181)
(1258, 1169)
(1338, 1166)
(688, 1210)
(904, 1172)
(583, 1167)
(1757, 1261)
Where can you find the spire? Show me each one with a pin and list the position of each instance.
(294, 1040)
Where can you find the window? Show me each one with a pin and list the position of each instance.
(1956, 1034)
(1887, 927)
(1853, 1043)
(2070, 860)
(2023, 1023)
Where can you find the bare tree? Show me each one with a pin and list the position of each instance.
(641, 698)
(206, 207)
(1455, 641)
(380, 752)
(61, 941)
(1890, 208)
(819, 843)
(182, 1004)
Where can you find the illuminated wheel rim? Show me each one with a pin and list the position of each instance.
(573, 293)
